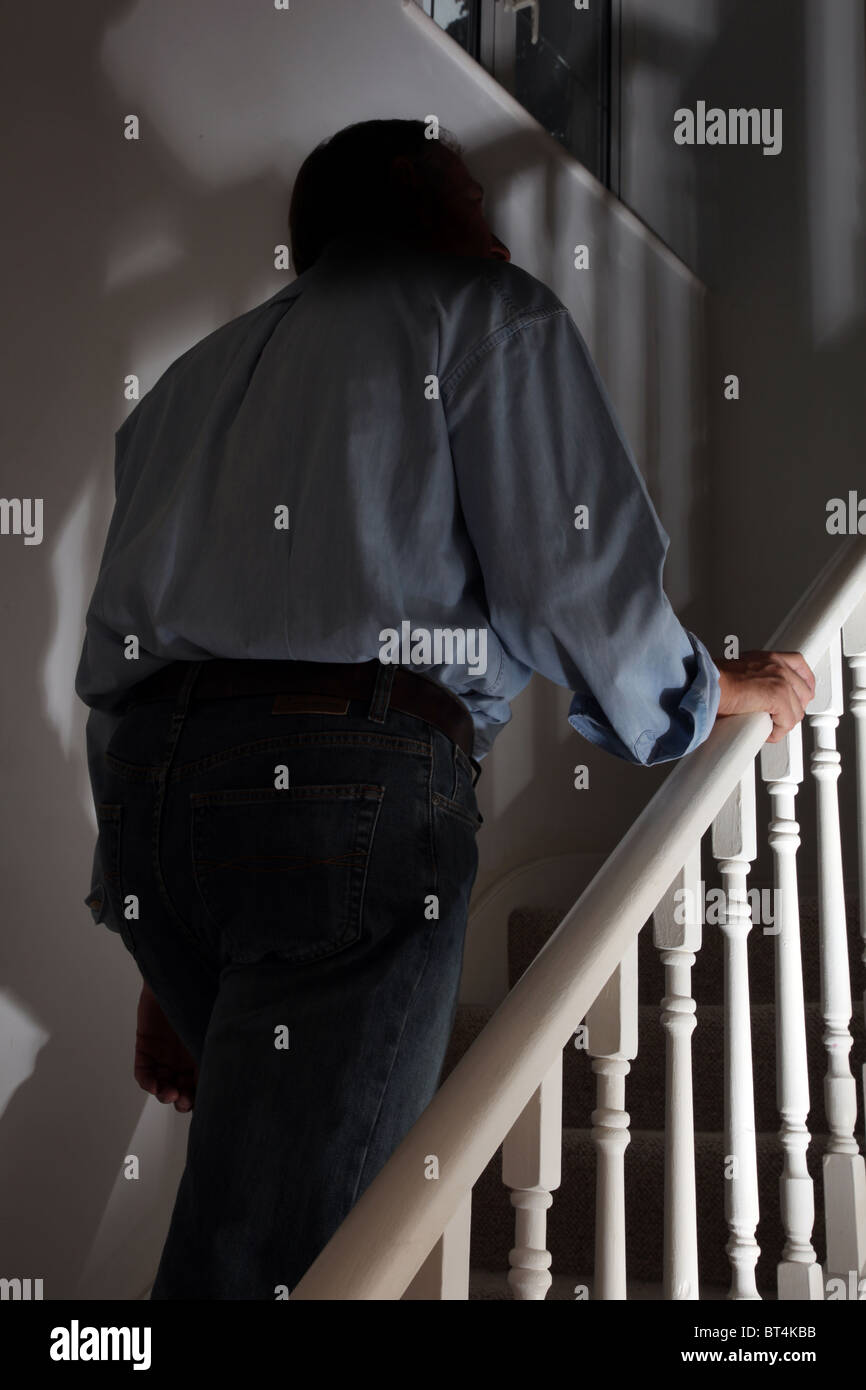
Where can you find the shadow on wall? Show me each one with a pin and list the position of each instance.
(119, 277)
(119, 273)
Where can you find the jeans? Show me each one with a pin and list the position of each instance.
(294, 888)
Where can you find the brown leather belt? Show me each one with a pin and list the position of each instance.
(220, 678)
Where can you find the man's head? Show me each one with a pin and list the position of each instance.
(380, 181)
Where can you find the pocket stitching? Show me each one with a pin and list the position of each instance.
(395, 743)
(354, 897)
(465, 761)
(347, 791)
(446, 804)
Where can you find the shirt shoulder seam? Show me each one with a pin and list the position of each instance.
(493, 339)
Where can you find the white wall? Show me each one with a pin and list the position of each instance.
(126, 253)
(780, 241)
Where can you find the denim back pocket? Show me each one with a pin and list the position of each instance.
(284, 872)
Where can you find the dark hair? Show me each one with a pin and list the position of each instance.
(346, 187)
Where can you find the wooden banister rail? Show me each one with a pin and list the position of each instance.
(399, 1218)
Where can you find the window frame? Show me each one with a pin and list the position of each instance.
(493, 44)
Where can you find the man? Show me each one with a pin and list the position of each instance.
(344, 537)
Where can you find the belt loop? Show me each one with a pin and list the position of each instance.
(478, 770)
(177, 717)
(178, 714)
(184, 694)
(381, 692)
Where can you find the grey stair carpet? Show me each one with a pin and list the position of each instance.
(571, 1218)
(484, 1284)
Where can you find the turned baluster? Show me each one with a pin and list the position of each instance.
(445, 1272)
(844, 1174)
(854, 646)
(677, 935)
(734, 843)
(798, 1274)
(612, 1043)
(532, 1168)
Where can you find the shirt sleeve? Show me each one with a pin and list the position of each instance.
(534, 438)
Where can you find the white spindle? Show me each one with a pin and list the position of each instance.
(854, 646)
(445, 1272)
(390, 1232)
(844, 1174)
(677, 935)
(798, 1274)
(532, 1168)
(734, 841)
(612, 1043)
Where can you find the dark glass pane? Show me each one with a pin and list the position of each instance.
(562, 80)
(459, 19)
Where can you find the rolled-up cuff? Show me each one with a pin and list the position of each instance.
(690, 719)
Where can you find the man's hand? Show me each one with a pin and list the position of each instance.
(162, 1064)
(779, 682)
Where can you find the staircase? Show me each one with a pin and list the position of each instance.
(571, 1218)
(687, 1179)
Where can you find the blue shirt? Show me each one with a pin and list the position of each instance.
(396, 444)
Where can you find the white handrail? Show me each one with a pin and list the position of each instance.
(398, 1219)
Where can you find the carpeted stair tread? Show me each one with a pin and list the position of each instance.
(529, 929)
(571, 1218)
(492, 1285)
(645, 1083)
